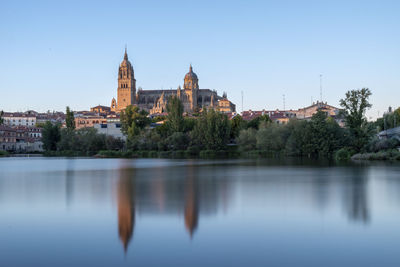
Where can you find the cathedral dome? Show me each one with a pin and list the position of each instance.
(191, 75)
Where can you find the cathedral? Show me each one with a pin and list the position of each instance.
(193, 98)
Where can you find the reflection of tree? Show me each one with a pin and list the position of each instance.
(126, 206)
(191, 202)
(69, 181)
(357, 197)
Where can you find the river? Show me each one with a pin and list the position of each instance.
(160, 212)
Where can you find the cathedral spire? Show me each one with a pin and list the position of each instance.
(126, 53)
(190, 68)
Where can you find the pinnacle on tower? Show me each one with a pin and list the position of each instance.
(126, 53)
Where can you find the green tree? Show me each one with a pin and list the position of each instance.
(133, 121)
(211, 131)
(321, 136)
(271, 137)
(177, 141)
(247, 139)
(50, 136)
(355, 104)
(175, 115)
(237, 124)
(255, 123)
(70, 119)
(388, 121)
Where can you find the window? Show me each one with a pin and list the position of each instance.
(118, 125)
(103, 126)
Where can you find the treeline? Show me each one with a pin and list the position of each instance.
(389, 120)
(68, 141)
(211, 133)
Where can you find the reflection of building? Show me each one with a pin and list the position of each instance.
(155, 101)
(170, 191)
(191, 205)
(126, 207)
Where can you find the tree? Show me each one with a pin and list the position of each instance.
(1, 117)
(175, 114)
(237, 124)
(70, 120)
(50, 136)
(388, 121)
(133, 121)
(211, 130)
(247, 139)
(255, 123)
(271, 138)
(355, 105)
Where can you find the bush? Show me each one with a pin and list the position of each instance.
(3, 153)
(381, 155)
(377, 144)
(343, 154)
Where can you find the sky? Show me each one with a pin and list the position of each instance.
(55, 54)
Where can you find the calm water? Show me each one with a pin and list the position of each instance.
(153, 212)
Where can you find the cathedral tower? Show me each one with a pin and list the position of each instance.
(126, 84)
(191, 87)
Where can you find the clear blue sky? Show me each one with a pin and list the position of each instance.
(55, 54)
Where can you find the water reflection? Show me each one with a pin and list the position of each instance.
(231, 211)
(158, 191)
(126, 206)
(191, 202)
(356, 196)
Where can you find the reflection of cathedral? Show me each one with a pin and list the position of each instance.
(126, 208)
(155, 101)
(164, 194)
(191, 205)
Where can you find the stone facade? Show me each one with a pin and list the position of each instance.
(126, 84)
(85, 121)
(193, 98)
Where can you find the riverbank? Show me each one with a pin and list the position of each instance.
(382, 155)
(391, 155)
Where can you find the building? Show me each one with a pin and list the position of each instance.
(84, 121)
(112, 127)
(19, 119)
(155, 101)
(283, 116)
(8, 138)
(20, 139)
(53, 117)
(308, 112)
(101, 109)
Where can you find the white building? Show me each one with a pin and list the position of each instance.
(19, 119)
(110, 128)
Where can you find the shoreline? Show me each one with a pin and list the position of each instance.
(391, 155)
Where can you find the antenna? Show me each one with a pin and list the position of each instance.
(320, 86)
(242, 101)
(284, 103)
